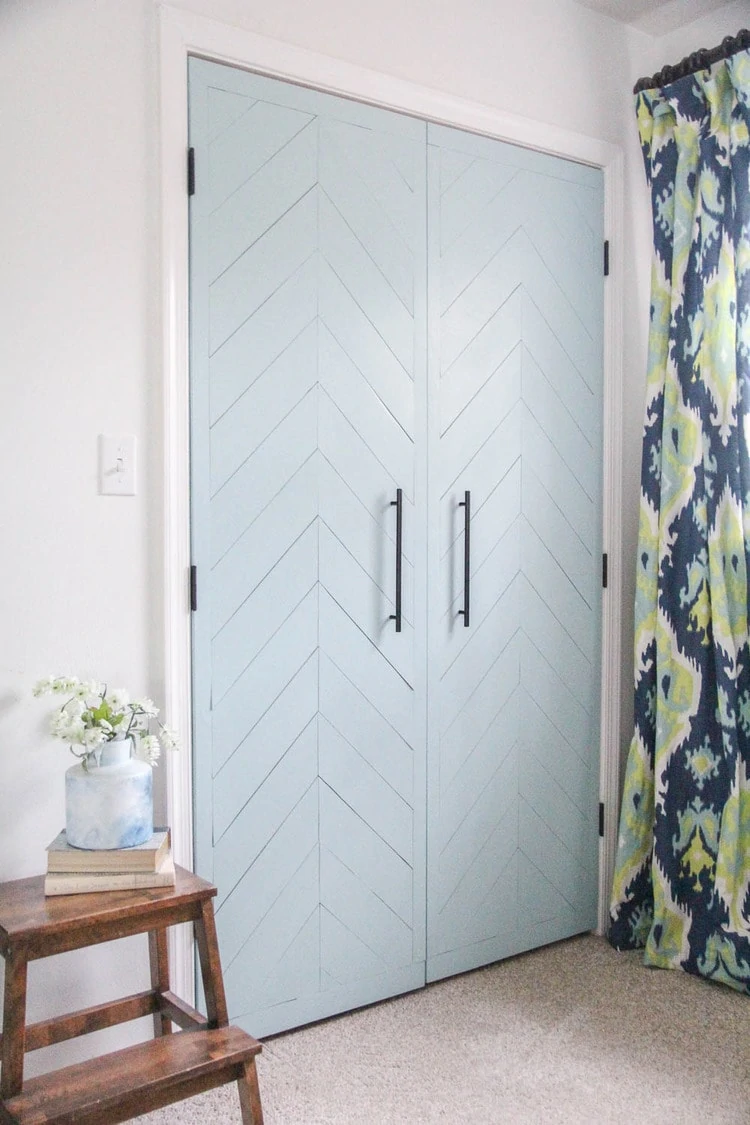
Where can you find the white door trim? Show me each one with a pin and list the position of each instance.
(184, 33)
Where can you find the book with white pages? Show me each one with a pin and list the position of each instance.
(89, 882)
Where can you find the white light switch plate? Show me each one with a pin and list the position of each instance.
(117, 465)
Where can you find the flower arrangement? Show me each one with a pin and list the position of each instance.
(93, 714)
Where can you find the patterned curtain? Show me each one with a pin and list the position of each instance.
(682, 880)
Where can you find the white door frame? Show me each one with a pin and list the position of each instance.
(184, 33)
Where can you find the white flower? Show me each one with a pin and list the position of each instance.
(146, 707)
(149, 749)
(63, 722)
(77, 721)
(93, 737)
(69, 730)
(65, 685)
(74, 709)
(88, 688)
(57, 722)
(118, 699)
(170, 739)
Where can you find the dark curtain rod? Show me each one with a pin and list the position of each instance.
(699, 60)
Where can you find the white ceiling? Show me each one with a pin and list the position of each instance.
(658, 17)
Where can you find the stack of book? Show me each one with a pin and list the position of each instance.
(76, 871)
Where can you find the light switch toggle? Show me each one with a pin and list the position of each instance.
(117, 465)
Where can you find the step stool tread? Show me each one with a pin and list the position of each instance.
(105, 1085)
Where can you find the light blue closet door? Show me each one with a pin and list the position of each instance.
(307, 243)
(515, 267)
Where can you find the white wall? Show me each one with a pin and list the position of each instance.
(77, 313)
(80, 585)
(706, 29)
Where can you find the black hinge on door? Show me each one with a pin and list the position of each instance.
(601, 818)
(605, 570)
(191, 171)
(606, 258)
(193, 588)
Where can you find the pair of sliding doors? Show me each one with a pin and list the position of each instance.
(395, 502)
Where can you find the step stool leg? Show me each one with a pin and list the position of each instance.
(13, 1038)
(159, 962)
(208, 955)
(247, 1088)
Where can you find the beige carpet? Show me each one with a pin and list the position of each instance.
(571, 1033)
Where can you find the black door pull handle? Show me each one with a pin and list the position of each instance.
(466, 505)
(398, 505)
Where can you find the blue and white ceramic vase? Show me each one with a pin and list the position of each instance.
(110, 805)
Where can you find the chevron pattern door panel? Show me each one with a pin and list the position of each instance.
(352, 781)
(515, 387)
(308, 369)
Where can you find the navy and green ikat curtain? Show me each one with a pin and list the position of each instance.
(682, 880)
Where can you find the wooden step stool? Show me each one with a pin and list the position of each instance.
(135, 1080)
